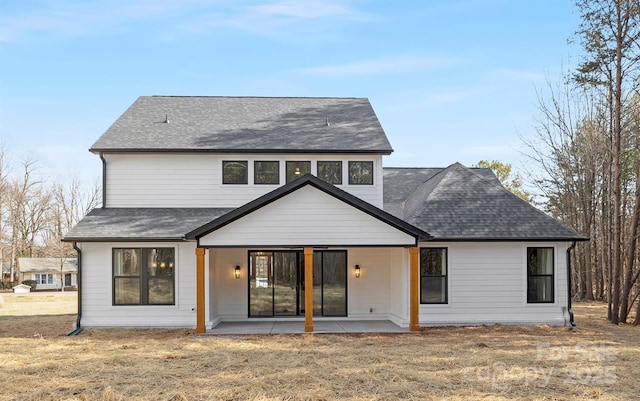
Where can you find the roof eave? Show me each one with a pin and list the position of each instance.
(384, 152)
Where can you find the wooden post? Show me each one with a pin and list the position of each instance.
(308, 290)
(414, 276)
(200, 252)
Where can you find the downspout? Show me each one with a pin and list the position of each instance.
(78, 328)
(571, 321)
(104, 180)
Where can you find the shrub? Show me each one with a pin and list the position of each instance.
(31, 283)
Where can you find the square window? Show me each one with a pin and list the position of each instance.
(144, 276)
(433, 276)
(330, 172)
(540, 271)
(296, 170)
(234, 172)
(360, 173)
(266, 172)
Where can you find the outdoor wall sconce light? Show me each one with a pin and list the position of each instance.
(357, 271)
(237, 272)
(297, 171)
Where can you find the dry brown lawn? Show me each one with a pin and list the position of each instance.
(38, 362)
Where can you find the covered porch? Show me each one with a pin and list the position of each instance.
(341, 290)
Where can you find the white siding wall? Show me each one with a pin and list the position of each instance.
(56, 281)
(488, 284)
(97, 299)
(195, 180)
(228, 295)
(307, 216)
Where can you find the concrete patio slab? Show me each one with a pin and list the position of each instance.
(297, 327)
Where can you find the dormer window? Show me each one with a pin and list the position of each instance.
(234, 172)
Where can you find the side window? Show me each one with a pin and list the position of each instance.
(296, 170)
(330, 172)
(540, 268)
(143, 276)
(433, 276)
(360, 173)
(234, 172)
(266, 172)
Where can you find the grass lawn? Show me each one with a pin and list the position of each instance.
(38, 362)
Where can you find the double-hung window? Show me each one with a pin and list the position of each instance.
(540, 275)
(144, 276)
(43, 278)
(433, 276)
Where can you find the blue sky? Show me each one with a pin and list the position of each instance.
(450, 80)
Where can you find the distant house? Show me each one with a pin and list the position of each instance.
(6, 273)
(46, 272)
(220, 209)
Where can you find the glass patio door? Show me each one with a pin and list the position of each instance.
(276, 283)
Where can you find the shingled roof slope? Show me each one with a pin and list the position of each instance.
(460, 204)
(141, 223)
(246, 124)
(47, 265)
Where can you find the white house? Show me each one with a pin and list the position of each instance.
(50, 273)
(238, 208)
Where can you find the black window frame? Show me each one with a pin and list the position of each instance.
(256, 172)
(225, 179)
(295, 177)
(534, 277)
(338, 162)
(355, 170)
(444, 276)
(143, 276)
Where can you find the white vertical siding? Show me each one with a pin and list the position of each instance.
(307, 216)
(97, 300)
(195, 180)
(488, 284)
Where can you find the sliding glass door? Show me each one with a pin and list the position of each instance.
(276, 283)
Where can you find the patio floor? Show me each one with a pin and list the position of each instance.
(323, 326)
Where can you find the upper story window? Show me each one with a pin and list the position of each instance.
(360, 173)
(143, 276)
(235, 172)
(266, 172)
(433, 275)
(297, 169)
(330, 171)
(540, 275)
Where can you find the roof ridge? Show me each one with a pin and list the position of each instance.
(259, 97)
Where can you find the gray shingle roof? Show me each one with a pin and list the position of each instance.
(47, 265)
(457, 203)
(237, 124)
(141, 223)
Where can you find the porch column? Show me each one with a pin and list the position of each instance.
(308, 288)
(414, 276)
(200, 290)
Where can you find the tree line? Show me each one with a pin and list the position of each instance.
(35, 213)
(587, 148)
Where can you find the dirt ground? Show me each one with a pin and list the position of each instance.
(596, 361)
